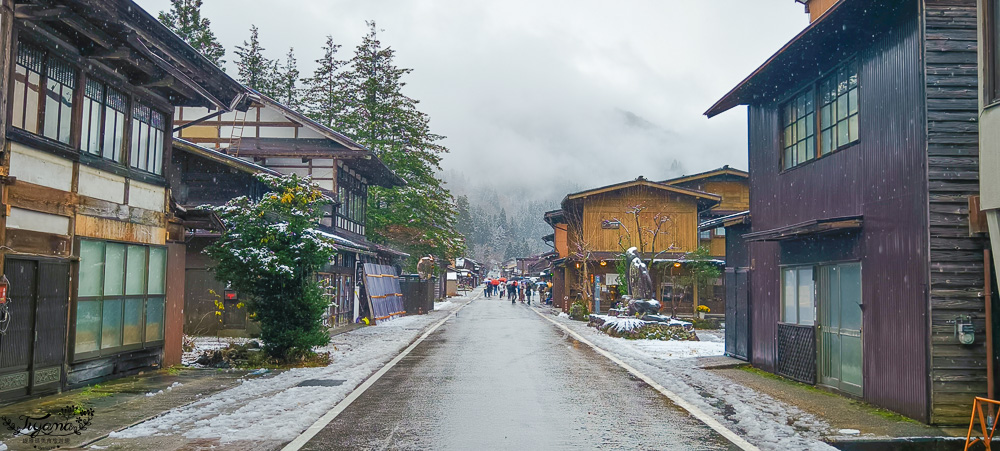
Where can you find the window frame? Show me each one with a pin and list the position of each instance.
(991, 33)
(75, 148)
(796, 270)
(816, 139)
(124, 297)
(353, 193)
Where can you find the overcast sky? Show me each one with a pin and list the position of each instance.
(549, 93)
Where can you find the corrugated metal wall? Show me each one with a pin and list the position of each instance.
(881, 178)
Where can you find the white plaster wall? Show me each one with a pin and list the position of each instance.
(101, 185)
(40, 222)
(144, 195)
(40, 168)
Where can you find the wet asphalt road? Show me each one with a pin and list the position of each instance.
(500, 377)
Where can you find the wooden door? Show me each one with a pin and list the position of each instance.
(737, 313)
(33, 348)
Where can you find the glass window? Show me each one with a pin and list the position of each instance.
(798, 303)
(705, 235)
(838, 103)
(60, 84)
(27, 87)
(157, 270)
(839, 108)
(111, 327)
(798, 119)
(114, 269)
(154, 319)
(148, 128)
(132, 327)
(115, 106)
(992, 32)
(114, 307)
(136, 273)
(93, 100)
(88, 326)
(91, 268)
(721, 231)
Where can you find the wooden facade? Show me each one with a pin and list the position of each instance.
(885, 211)
(599, 225)
(217, 162)
(734, 188)
(88, 92)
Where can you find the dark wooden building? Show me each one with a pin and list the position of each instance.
(862, 155)
(90, 242)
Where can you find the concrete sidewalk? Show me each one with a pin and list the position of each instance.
(117, 404)
(839, 411)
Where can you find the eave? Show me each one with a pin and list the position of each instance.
(829, 39)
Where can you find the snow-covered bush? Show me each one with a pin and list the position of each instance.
(637, 329)
(269, 253)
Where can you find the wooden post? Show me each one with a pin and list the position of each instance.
(989, 327)
(7, 49)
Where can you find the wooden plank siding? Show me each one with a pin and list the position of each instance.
(679, 233)
(958, 373)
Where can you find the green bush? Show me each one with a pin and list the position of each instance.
(706, 324)
(269, 253)
(579, 311)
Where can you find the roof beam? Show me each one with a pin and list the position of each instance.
(40, 12)
(135, 41)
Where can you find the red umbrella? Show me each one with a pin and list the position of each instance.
(503, 279)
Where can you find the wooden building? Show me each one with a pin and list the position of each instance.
(597, 225)
(91, 245)
(863, 151)
(274, 138)
(733, 186)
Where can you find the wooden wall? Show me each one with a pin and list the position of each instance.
(958, 372)
(680, 232)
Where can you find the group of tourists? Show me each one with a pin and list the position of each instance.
(515, 289)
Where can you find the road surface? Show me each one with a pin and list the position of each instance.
(498, 376)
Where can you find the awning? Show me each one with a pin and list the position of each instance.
(344, 244)
(807, 229)
(742, 217)
(200, 218)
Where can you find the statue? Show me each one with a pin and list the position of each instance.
(425, 267)
(641, 301)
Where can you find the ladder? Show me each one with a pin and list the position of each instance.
(237, 133)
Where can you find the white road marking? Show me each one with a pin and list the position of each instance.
(323, 421)
(694, 411)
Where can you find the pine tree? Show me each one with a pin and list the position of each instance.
(463, 222)
(184, 19)
(287, 90)
(421, 215)
(255, 70)
(324, 91)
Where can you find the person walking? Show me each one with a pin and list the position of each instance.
(527, 292)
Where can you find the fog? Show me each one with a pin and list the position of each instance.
(542, 97)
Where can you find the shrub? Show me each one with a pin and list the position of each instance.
(270, 252)
(579, 311)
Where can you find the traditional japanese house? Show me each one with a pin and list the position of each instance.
(280, 140)
(734, 188)
(90, 242)
(863, 151)
(600, 226)
(557, 259)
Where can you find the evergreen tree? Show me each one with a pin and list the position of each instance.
(324, 99)
(421, 215)
(255, 70)
(184, 19)
(463, 221)
(287, 90)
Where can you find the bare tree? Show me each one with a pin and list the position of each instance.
(580, 250)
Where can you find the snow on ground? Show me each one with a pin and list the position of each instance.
(761, 419)
(202, 344)
(274, 408)
(444, 305)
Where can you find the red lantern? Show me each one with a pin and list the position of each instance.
(3, 289)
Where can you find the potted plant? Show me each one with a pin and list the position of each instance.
(702, 310)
